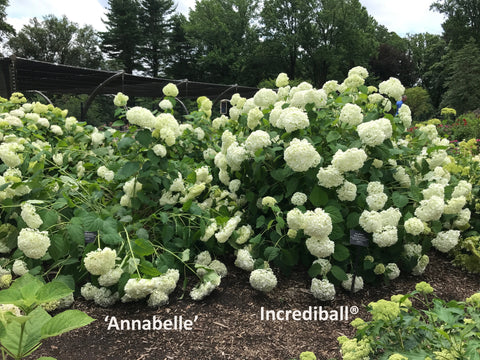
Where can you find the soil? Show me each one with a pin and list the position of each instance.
(228, 324)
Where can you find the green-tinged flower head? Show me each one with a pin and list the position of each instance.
(358, 323)
(398, 299)
(170, 90)
(17, 98)
(282, 80)
(448, 111)
(379, 269)
(474, 300)
(354, 349)
(5, 281)
(397, 357)
(424, 288)
(268, 201)
(120, 99)
(384, 310)
(307, 355)
(368, 258)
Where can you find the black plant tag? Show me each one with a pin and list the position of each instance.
(358, 238)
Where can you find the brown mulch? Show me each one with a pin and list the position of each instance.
(228, 325)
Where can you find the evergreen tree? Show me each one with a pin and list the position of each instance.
(123, 37)
(463, 93)
(180, 62)
(5, 28)
(155, 26)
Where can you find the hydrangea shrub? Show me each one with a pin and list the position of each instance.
(279, 182)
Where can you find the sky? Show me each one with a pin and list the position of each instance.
(400, 16)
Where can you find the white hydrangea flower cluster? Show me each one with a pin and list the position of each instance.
(322, 290)
(382, 224)
(227, 230)
(222, 121)
(401, 176)
(300, 155)
(405, 115)
(97, 137)
(299, 198)
(463, 188)
(120, 99)
(131, 187)
(330, 87)
(392, 270)
(202, 290)
(263, 280)
(446, 240)
(165, 105)
(347, 192)
(292, 119)
(387, 236)
(159, 288)
(351, 114)
(101, 296)
(412, 250)
(33, 243)
(257, 140)
(170, 90)
(105, 173)
(430, 209)
(244, 260)
(58, 159)
(264, 98)
(463, 218)
(375, 132)
(376, 198)
(30, 216)
(111, 277)
(19, 267)
(160, 150)
(140, 116)
(282, 80)
(455, 205)
(235, 156)
(392, 87)
(430, 131)
(100, 261)
(358, 285)
(330, 177)
(414, 226)
(299, 99)
(8, 153)
(350, 160)
(13, 177)
(245, 232)
(320, 247)
(167, 128)
(253, 118)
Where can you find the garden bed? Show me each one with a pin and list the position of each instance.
(229, 324)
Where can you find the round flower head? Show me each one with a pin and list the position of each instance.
(446, 240)
(300, 155)
(33, 243)
(347, 284)
(317, 223)
(282, 80)
(263, 280)
(329, 177)
(351, 114)
(320, 247)
(292, 119)
(265, 97)
(299, 198)
(347, 192)
(350, 160)
(100, 261)
(30, 216)
(170, 90)
(165, 104)
(120, 99)
(244, 260)
(257, 140)
(392, 87)
(322, 290)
